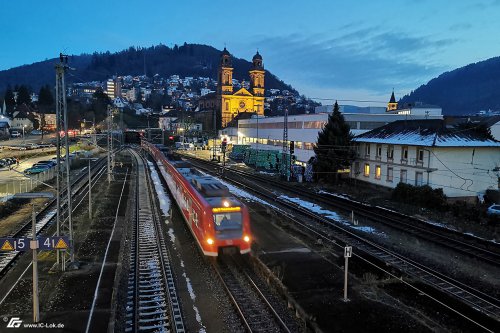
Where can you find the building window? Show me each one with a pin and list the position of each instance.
(378, 172)
(356, 169)
(390, 173)
(419, 178)
(420, 156)
(403, 176)
(367, 170)
(227, 106)
(390, 152)
(379, 152)
(404, 153)
(367, 149)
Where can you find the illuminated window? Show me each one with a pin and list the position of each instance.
(378, 172)
(367, 170)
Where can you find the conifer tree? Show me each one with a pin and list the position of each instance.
(23, 95)
(333, 149)
(10, 101)
(45, 103)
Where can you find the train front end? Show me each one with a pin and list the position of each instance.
(228, 228)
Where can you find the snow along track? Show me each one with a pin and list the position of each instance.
(152, 303)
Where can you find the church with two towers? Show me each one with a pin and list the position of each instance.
(227, 103)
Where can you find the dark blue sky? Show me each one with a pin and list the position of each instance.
(327, 49)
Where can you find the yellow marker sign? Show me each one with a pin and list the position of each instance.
(61, 244)
(7, 246)
(226, 209)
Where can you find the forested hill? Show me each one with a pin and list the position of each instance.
(185, 60)
(465, 90)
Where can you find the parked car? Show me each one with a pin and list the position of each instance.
(51, 163)
(15, 134)
(36, 132)
(32, 146)
(493, 211)
(36, 169)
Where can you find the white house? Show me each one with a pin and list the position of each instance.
(427, 152)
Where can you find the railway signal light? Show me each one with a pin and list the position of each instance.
(171, 138)
(224, 145)
(292, 147)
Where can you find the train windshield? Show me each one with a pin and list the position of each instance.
(228, 225)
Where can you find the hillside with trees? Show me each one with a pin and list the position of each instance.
(465, 90)
(185, 60)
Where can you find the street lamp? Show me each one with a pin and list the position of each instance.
(24, 140)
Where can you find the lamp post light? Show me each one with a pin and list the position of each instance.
(24, 139)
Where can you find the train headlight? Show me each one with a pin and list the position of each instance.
(246, 239)
(225, 203)
(210, 241)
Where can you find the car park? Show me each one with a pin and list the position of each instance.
(493, 211)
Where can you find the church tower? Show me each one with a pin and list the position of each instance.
(225, 79)
(257, 75)
(392, 105)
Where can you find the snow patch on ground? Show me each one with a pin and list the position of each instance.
(244, 194)
(331, 215)
(160, 191)
(171, 234)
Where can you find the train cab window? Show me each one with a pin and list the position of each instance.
(227, 221)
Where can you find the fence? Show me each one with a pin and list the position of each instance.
(22, 185)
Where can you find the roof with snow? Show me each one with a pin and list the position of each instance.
(427, 133)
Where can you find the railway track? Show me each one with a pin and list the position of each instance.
(256, 308)
(474, 247)
(369, 251)
(46, 216)
(152, 303)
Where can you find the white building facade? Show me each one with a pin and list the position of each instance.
(414, 153)
(303, 129)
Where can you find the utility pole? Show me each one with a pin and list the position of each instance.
(90, 193)
(34, 247)
(284, 163)
(215, 137)
(109, 146)
(61, 106)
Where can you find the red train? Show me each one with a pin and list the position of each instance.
(215, 217)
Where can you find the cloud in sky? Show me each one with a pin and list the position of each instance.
(370, 59)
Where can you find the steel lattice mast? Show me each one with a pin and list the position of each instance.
(63, 227)
(284, 164)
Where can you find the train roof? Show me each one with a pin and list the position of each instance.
(209, 187)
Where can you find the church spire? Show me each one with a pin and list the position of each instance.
(392, 105)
